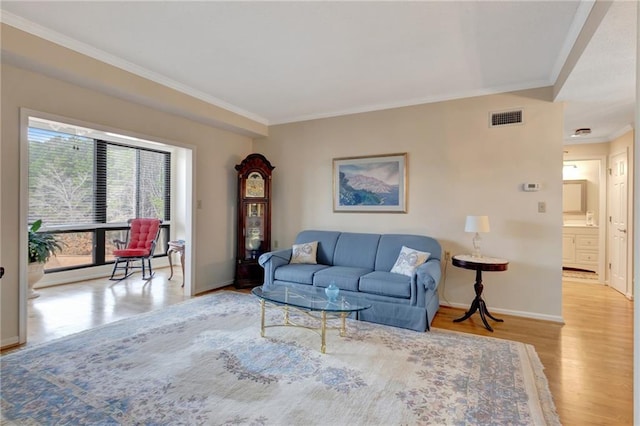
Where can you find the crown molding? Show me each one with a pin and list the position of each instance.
(414, 102)
(622, 131)
(92, 52)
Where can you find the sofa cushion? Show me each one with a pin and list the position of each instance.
(299, 273)
(386, 284)
(304, 253)
(357, 250)
(409, 260)
(391, 244)
(326, 244)
(345, 277)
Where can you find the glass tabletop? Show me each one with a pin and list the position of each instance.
(313, 299)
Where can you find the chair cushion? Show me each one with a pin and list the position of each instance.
(143, 232)
(131, 253)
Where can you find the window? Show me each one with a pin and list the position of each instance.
(61, 178)
(85, 188)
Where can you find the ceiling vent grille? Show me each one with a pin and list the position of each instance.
(505, 118)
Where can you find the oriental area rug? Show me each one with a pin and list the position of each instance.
(203, 362)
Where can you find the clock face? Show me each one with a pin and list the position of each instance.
(254, 187)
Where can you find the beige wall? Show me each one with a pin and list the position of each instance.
(216, 153)
(31, 52)
(457, 166)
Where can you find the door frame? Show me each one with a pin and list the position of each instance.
(189, 183)
(603, 276)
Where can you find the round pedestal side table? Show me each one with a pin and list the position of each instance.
(479, 264)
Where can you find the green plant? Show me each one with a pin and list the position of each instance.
(42, 245)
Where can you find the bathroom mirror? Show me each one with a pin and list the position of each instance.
(574, 196)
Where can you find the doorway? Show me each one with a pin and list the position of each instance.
(181, 182)
(584, 218)
(615, 206)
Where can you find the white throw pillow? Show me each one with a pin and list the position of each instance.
(409, 260)
(304, 253)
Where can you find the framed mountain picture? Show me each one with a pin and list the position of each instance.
(375, 183)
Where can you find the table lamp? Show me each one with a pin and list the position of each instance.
(477, 224)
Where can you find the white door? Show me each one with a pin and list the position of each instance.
(618, 222)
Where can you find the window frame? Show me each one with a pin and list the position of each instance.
(100, 226)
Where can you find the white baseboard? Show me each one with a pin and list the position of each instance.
(11, 341)
(214, 286)
(85, 274)
(523, 314)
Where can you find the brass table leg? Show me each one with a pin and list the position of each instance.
(323, 326)
(262, 318)
(343, 328)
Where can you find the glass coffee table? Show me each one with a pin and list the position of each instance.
(314, 303)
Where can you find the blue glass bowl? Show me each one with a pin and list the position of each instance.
(332, 292)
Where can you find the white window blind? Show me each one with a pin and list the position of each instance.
(61, 178)
(79, 180)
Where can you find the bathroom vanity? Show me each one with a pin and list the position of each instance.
(580, 247)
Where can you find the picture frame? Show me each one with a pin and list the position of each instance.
(373, 183)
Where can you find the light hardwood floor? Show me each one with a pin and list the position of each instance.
(588, 361)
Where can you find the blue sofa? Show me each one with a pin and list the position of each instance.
(360, 264)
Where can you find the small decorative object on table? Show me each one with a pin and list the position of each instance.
(332, 292)
(589, 218)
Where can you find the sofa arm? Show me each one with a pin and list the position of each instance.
(429, 274)
(271, 261)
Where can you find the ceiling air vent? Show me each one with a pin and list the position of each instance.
(505, 118)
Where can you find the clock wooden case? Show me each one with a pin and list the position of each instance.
(254, 219)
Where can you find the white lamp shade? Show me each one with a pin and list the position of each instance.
(477, 224)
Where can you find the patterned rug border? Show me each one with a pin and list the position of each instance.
(580, 275)
(534, 367)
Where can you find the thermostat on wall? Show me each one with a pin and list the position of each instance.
(531, 186)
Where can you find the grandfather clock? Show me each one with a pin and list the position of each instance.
(254, 219)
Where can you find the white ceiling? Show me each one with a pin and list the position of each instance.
(278, 62)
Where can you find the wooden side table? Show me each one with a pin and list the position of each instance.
(479, 264)
(176, 247)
